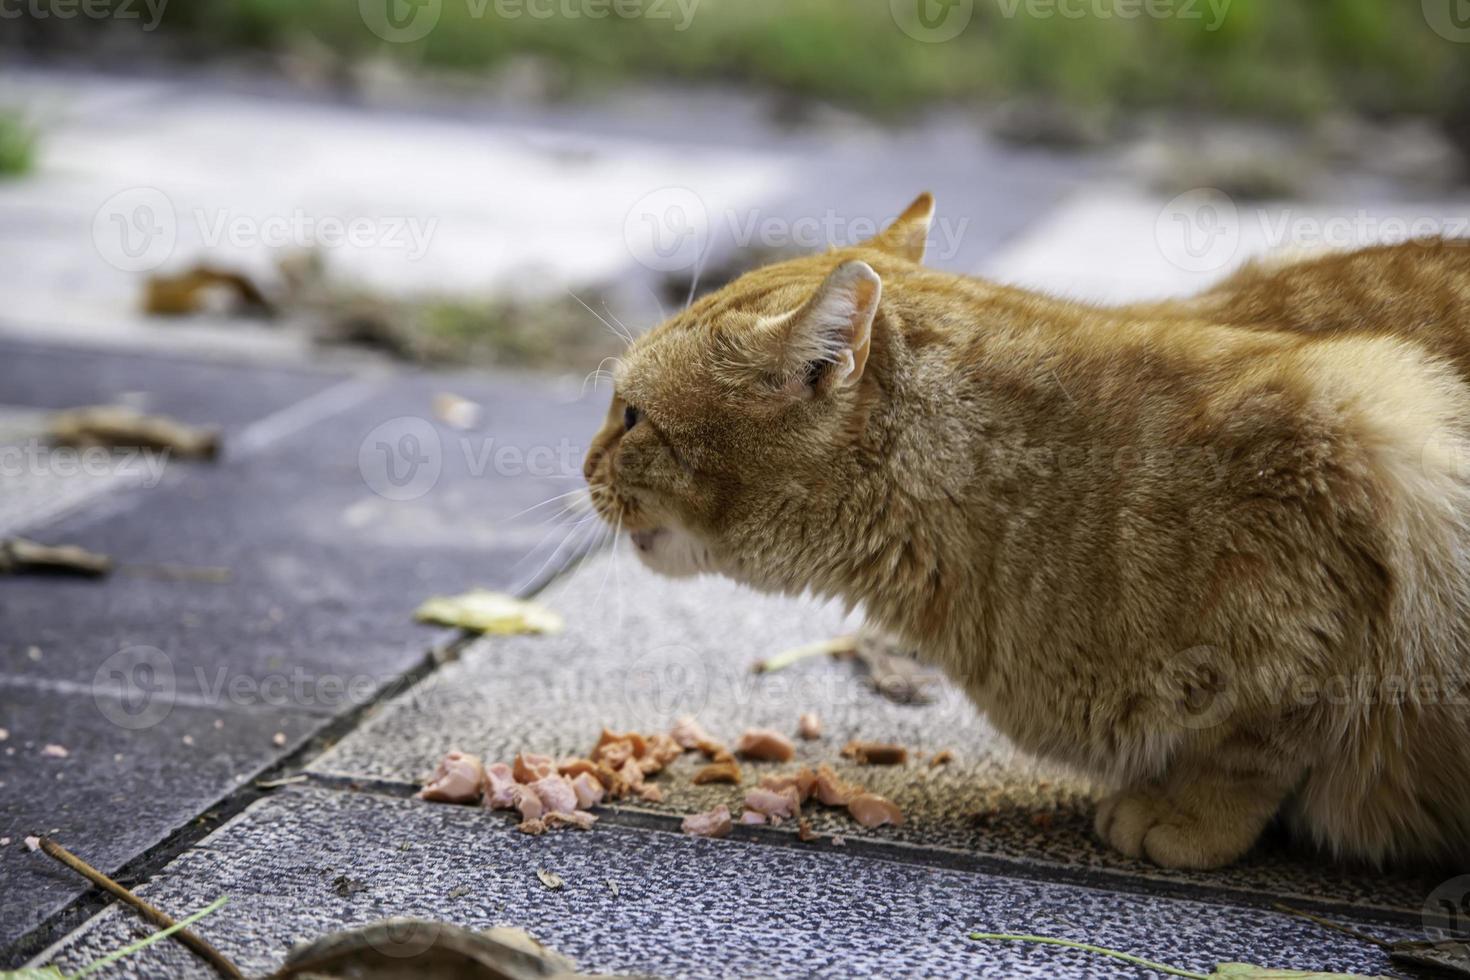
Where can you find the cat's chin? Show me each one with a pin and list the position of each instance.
(672, 552)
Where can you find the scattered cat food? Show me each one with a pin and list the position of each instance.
(831, 789)
(774, 805)
(556, 793)
(802, 780)
(550, 879)
(711, 823)
(942, 758)
(33, 843)
(483, 611)
(55, 752)
(809, 726)
(117, 427)
(804, 830)
(688, 733)
(529, 767)
(765, 745)
(278, 739)
(872, 810)
(499, 787)
(876, 753)
(589, 790)
(719, 772)
(20, 556)
(580, 819)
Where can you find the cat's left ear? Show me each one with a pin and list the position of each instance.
(828, 339)
(908, 236)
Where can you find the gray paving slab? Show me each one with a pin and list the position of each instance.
(326, 559)
(640, 650)
(647, 902)
(125, 783)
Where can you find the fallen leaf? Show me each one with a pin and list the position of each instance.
(550, 879)
(483, 611)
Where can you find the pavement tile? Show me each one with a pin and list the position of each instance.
(681, 907)
(640, 650)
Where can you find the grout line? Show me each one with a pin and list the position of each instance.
(941, 858)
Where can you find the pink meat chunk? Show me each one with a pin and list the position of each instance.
(872, 810)
(580, 819)
(711, 823)
(500, 783)
(456, 780)
(689, 734)
(527, 802)
(832, 789)
(529, 768)
(589, 790)
(809, 726)
(766, 745)
(774, 803)
(803, 781)
(752, 817)
(556, 793)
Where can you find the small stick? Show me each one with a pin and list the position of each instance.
(158, 917)
(1088, 947)
(836, 646)
(1329, 924)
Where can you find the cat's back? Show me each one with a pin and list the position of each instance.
(1417, 291)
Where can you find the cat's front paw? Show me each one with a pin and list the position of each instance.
(1145, 825)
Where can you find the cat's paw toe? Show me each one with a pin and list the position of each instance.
(1138, 825)
(1125, 819)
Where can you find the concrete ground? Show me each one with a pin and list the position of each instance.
(261, 627)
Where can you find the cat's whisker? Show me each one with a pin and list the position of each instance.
(626, 331)
(587, 491)
(612, 560)
(694, 279)
(577, 531)
(625, 337)
(663, 314)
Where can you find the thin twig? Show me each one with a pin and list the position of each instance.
(1345, 930)
(208, 953)
(147, 941)
(1088, 947)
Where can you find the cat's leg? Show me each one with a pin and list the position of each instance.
(1200, 817)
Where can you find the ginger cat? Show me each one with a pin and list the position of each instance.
(1215, 552)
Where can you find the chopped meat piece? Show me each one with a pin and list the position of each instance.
(662, 750)
(774, 803)
(688, 733)
(528, 768)
(716, 751)
(458, 779)
(752, 817)
(499, 787)
(809, 726)
(712, 823)
(876, 753)
(580, 819)
(765, 744)
(832, 789)
(556, 793)
(804, 830)
(589, 790)
(650, 794)
(719, 772)
(526, 801)
(535, 827)
(943, 758)
(612, 749)
(803, 781)
(872, 810)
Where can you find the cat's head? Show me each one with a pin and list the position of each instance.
(732, 422)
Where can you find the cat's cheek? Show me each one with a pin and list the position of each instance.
(673, 555)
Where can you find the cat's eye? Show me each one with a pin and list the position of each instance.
(631, 416)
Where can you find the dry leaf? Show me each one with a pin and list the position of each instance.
(483, 611)
(550, 879)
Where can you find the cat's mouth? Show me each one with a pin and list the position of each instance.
(647, 539)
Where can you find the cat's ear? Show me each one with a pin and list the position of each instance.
(908, 236)
(827, 340)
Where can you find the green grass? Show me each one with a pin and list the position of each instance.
(1275, 58)
(17, 145)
